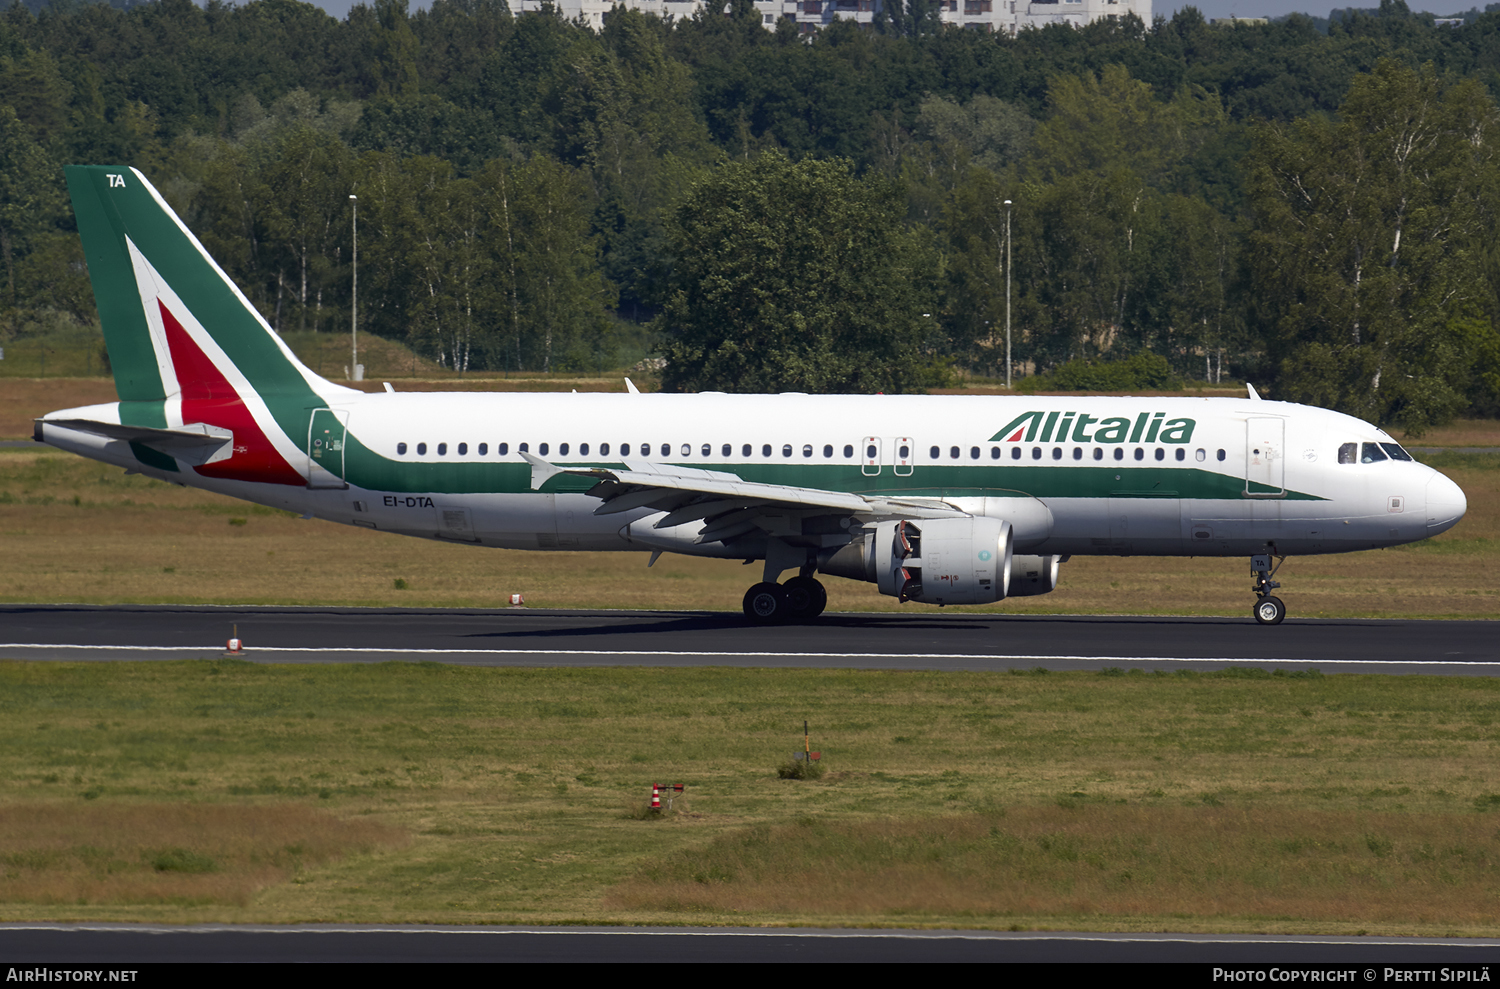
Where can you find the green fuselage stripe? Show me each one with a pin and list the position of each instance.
(373, 472)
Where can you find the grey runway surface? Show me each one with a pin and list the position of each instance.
(102, 944)
(912, 640)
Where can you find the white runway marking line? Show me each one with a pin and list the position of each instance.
(269, 650)
(976, 935)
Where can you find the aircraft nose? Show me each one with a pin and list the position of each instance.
(1446, 504)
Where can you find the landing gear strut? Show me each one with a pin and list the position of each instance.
(1268, 609)
(800, 599)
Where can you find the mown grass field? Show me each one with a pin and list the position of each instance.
(214, 790)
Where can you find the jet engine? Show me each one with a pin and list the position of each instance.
(1032, 575)
(939, 561)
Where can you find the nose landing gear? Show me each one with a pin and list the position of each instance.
(1268, 610)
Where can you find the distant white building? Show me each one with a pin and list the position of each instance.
(1009, 16)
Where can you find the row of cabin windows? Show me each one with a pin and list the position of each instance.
(565, 449)
(766, 450)
(1179, 454)
(1016, 453)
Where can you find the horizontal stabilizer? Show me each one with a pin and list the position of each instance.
(196, 443)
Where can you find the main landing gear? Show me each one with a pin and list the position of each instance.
(800, 599)
(1268, 609)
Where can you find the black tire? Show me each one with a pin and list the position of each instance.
(1269, 611)
(805, 598)
(765, 604)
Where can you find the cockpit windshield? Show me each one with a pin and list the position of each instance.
(1371, 453)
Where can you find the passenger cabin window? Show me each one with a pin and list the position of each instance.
(562, 449)
(603, 449)
(502, 448)
(541, 449)
(1221, 456)
(1119, 453)
(765, 450)
(745, 450)
(1078, 453)
(828, 451)
(1161, 454)
(400, 449)
(666, 449)
(904, 452)
(953, 452)
(1181, 453)
(786, 449)
(1098, 453)
(1200, 455)
(1036, 453)
(725, 450)
(463, 449)
(687, 450)
(994, 453)
(935, 453)
(421, 449)
(1371, 453)
(443, 450)
(1057, 453)
(848, 450)
(1140, 454)
(973, 453)
(583, 449)
(484, 448)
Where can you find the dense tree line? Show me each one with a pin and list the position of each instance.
(1305, 202)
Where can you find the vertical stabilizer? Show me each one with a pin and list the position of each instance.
(185, 344)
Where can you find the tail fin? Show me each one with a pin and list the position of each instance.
(185, 344)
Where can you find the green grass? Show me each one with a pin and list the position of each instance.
(520, 793)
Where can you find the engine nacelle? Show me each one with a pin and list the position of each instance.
(1032, 575)
(944, 561)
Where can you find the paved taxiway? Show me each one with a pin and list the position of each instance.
(100, 944)
(911, 640)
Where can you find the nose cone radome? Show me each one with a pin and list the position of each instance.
(1446, 504)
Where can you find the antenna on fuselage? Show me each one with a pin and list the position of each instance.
(630, 387)
(1254, 395)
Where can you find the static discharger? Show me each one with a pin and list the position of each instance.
(656, 789)
(807, 752)
(234, 647)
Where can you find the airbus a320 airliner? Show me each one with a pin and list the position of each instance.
(944, 500)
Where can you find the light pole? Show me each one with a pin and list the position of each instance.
(354, 296)
(1007, 295)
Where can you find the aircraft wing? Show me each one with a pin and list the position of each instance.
(728, 504)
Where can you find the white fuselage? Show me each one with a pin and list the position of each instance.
(1244, 477)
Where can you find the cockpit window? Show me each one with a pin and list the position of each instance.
(1394, 449)
(1371, 454)
(1349, 453)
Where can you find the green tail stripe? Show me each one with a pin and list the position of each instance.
(137, 378)
(113, 202)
